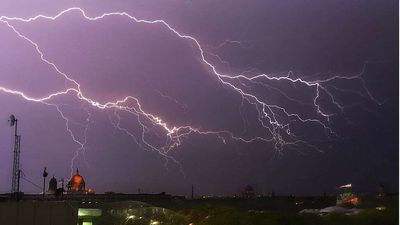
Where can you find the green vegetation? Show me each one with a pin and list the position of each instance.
(279, 211)
(217, 215)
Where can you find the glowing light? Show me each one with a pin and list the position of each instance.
(89, 212)
(345, 186)
(130, 217)
(380, 208)
(354, 200)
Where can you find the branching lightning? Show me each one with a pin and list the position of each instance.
(276, 131)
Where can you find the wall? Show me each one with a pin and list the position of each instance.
(38, 213)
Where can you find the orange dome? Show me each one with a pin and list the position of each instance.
(77, 183)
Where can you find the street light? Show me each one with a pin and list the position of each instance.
(44, 181)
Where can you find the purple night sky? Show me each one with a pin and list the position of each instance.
(344, 55)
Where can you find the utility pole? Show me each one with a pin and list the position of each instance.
(44, 181)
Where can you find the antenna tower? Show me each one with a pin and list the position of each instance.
(16, 168)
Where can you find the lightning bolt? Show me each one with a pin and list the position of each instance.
(241, 44)
(275, 120)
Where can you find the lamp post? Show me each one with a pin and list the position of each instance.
(44, 181)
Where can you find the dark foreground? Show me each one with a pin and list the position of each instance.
(284, 212)
(278, 211)
(207, 211)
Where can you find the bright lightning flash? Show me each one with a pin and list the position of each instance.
(277, 131)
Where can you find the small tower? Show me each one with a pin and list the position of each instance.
(52, 185)
(16, 167)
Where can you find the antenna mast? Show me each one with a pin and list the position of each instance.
(16, 169)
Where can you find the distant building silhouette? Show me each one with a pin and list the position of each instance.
(248, 192)
(346, 197)
(273, 195)
(52, 186)
(381, 191)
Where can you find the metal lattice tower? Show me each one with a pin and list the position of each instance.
(16, 168)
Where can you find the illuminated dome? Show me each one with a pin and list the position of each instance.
(77, 183)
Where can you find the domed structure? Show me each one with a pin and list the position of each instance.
(52, 185)
(76, 184)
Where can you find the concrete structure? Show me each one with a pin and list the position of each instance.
(38, 213)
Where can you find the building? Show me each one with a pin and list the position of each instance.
(52, 186)
(346, 197)
(76, 184)
(248, 192)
